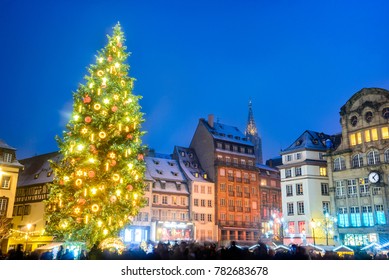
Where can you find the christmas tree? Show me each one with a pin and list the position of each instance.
(99, 181)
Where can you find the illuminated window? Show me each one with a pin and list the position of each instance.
(367, 136)
(291, 227)
(263, 182)
(342, 217)
(359, 138)
(222, 172)
(355, 216)
(7, 157)
(301, 226)
(323, 171)
(353, 139)
(385, 132)
(374, 134)
(367, 216)
(299, 189)
(380, 214)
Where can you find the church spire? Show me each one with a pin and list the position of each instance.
(252, 134)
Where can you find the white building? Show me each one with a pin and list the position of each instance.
(305, 190)
(202, 195)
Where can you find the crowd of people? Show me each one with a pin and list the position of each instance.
(193, 251)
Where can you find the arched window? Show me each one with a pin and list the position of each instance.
(386, 156)
(357, 161)
(373, 157)
(339, 164)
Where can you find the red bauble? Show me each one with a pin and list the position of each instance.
(87, 99)
(91, 174)
(81, 201)
(109, 58)
(88, 119)
(119, 44)
(113, 199)
(129, 136)
(114, 109)
(113, 162)
(130, 187)
(140, 157)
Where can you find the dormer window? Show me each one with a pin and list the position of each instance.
(159, 171)
(190, 155)
(237, 137)
(36, 176)
(182, 153)
(205, 175)
(7, 157)
(195, 165)
(171, 163)
(174, 173)
(49, 173)
(156, 162)
(196, 174)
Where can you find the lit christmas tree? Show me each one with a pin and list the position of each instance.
(99, 182)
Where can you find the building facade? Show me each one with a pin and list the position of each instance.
(201, 195)
(228, 158)
(306, 203)
(359, 169)
(9, 176)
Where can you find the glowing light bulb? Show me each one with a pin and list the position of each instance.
(80, 147)
(99, 223)
(117, 65)
(106, 101)
(101, 59)
(76, 117)
(93, 190)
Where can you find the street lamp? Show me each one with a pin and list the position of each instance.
(313, 225)
(27, 234)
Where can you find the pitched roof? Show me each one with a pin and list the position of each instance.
(164, 169)
(37, 169)
(190, 164)
(4, 145)
(309, 140)
(226, 133)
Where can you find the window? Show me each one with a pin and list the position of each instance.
(301, 226)
(297, 171)
(339, 164)
(290, 209)
(263, 182)
(352, 187)
(222, 202)
(325, 189)
(202, 189)
(174, 200)
(340, 190)
(288, 157)
(235, 148)
(243, 162)
(196, 216)
(291, 227)
(209, 203)
(164, 199)
(155, 198)
(227, 147)
(209, 189)
(288, 173)
(196, 202)
(300, 208)
(374, 134)
(183, 201)
(342, 217)
(222, 187)
(367, 216)
(326, 207)
(5, 182)
(3, 206)
(386, 156)
(196, 189)
(357, 161)
(380, 214)
(354, 120)
(223, 216)
(385, 132)
(298, 156)
(355, 138)
(369, 116)
(202, 202)
(373, 157)
(385, 113)
(289, 190)
(364, 188)
(209, 216)
(7, 157)
(202, 217)
(299, 189)
(219, 145)
(323, 171)
(355, 216)
(367, 136)
(253, 177)
(222, 172)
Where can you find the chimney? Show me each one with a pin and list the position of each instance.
(210, 120)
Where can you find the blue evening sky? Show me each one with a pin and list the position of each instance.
(298, 61)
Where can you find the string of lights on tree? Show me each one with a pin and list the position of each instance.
(98, 186)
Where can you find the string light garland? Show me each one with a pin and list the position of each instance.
(94, 187)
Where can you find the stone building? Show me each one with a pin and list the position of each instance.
(358, 169)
